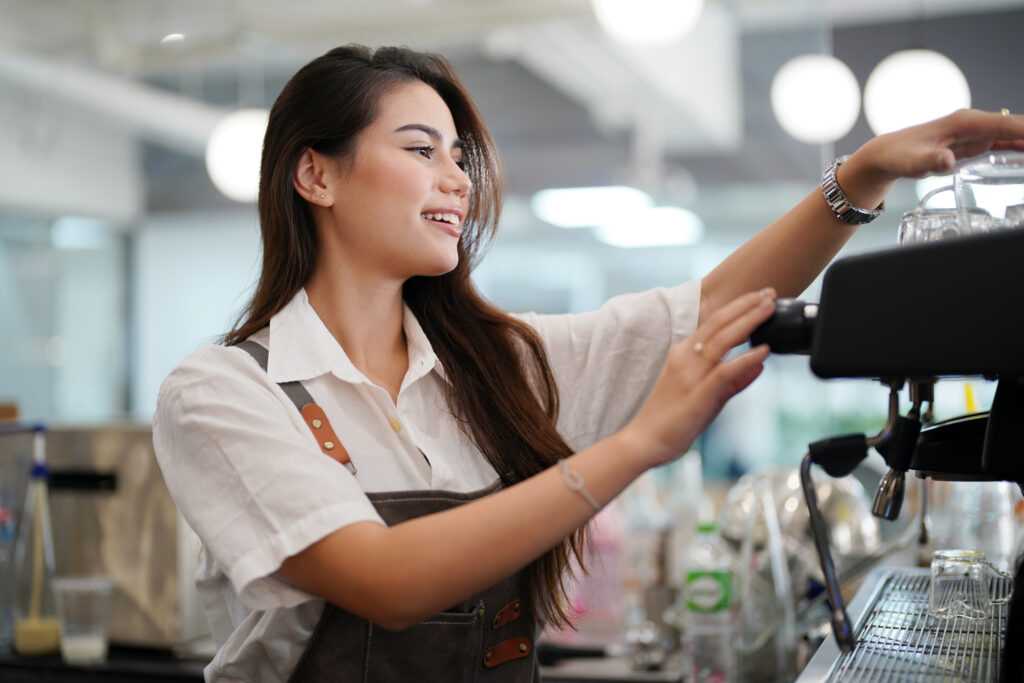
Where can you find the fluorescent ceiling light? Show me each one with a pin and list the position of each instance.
(911, 87)
(173, 38)
(653, 227)
(647, 22)
(584, 207)
(233, 153)
(816, 98)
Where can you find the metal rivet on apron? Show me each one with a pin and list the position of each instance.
(317, 424)
(489, 655)
(480, 613)
(329, 445)
(523, 647)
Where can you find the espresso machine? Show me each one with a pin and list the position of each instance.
(911, 316)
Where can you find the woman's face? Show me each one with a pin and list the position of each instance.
(400, 200)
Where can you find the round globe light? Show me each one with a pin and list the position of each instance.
(911, 87)
(647, 22)
(233, 153)
(816, 98)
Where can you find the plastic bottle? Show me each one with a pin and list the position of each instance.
(707, 614)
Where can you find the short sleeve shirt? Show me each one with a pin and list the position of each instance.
(250, 479)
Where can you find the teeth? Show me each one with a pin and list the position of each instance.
(446, 217)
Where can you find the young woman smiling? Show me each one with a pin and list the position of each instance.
(389, 475)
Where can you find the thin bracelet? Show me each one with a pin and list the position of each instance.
(575, 483)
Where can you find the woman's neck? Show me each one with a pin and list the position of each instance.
(366, 319)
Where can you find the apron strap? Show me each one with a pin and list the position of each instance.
(312, 414)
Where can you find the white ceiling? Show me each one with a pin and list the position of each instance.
(567, 104)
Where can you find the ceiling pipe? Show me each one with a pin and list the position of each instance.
(174, 121)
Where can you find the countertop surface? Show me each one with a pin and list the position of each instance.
(132, 665)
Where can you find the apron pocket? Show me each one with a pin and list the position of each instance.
(445, 647)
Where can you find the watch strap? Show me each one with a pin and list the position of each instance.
(837, 201)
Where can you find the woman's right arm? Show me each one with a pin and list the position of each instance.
(397, 576)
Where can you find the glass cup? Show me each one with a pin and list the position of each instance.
(959, 586)
(83, 606)
(931, 225)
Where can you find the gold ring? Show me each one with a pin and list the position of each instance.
(702, 352)
(1005, 112)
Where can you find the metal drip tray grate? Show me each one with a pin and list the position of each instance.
(897, 640)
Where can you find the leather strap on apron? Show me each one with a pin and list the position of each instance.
(487, 638)
(313, 414)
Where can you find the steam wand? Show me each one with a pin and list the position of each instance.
(838, 456)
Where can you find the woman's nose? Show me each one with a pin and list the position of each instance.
(455, 180)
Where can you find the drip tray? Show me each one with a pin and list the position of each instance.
(897, 640)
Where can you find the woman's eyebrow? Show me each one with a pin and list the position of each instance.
(434, 133)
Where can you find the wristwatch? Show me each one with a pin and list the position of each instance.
(837, 201)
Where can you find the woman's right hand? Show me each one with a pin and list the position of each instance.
(695, 382)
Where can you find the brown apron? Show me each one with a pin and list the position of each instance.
(488, 638)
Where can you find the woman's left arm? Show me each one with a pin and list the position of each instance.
(789, 253)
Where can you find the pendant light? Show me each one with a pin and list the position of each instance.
(913, 86)
(647, 22)
(815, 98)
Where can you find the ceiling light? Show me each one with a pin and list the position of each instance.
(911, 87)
(816, 98)
(173, 38)
(583, 207)
(654, 227)
(647, 22)
(233, 153)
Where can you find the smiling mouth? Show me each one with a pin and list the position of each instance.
(450, 218)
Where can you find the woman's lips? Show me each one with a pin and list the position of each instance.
(448, 221)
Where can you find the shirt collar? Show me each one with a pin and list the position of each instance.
(302, 348)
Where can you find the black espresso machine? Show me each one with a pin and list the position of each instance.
(910, 316)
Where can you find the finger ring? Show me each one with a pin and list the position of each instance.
(702, 351)
(1005, 112)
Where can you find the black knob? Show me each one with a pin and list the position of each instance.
(790, 329)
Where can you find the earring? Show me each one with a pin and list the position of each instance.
(322, 196)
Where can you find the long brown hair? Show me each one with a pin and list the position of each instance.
(501, 388)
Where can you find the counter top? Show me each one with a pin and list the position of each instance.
(123, 665)
(136, 665)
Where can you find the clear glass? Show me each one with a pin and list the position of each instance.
(959, 586)
(932, 225)
(83, 606)
(993, 183)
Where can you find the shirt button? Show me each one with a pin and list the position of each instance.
(395, 424)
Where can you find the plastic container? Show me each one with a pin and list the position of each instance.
(706, 609)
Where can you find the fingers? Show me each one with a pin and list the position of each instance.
(732, 324)
(736, 374)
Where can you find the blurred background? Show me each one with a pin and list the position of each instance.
(119, 254)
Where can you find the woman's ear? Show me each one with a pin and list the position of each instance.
(309, 179)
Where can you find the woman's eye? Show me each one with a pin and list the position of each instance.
(427, 152)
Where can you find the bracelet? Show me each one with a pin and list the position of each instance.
(837, 201)
(575, 483)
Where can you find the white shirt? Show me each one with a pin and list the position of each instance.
(250, 479)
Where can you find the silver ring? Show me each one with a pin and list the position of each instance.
(1005, 112)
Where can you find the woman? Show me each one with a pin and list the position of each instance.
(389, 475)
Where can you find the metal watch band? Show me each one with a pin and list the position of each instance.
(837, 201)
